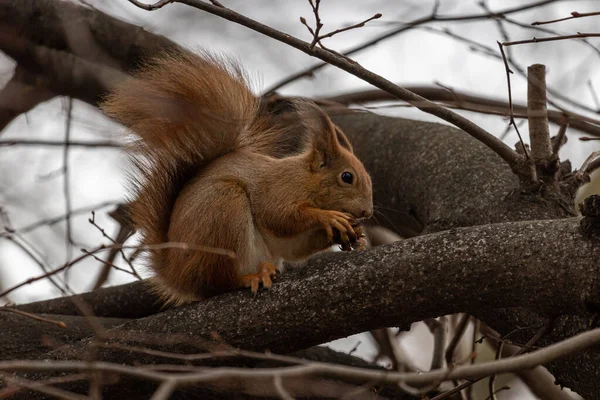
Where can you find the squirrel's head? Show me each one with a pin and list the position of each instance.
(340, 180)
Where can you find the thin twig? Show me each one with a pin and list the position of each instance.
(33, 142)
(493, 395)
(179, 245)
(6, 393)
(278, 384)
(476, 327)
(61, 324)
(544, 330)
(165, 390)
(43, 388)
(55, 220)
(353, 374)
(488, 51)
(510, 104)
(551, 39)
(593, 166)
(589, 160)
(432, 17)
(66, 187)
(549, 31)
(92, 221)
(458, 334)
(560, 138)
(358, 25)
(223, 351)
(316, 33)
(469, 102)
(20, 242)
(492, 381)
(574, 14)
(438, 330)
(112, 266)
(594, 94)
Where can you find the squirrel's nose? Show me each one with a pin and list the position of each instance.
(367, 213)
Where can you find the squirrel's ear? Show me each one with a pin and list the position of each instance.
(322, 134)
(343, 140)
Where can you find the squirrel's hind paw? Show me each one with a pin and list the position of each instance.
(263, 275)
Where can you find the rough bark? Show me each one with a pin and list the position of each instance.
(27, 338)
(132, 300)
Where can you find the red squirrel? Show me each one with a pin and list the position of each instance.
(206, 176)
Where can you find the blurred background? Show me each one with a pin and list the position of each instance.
(40, 185)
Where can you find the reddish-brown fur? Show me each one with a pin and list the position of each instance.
(206, 176)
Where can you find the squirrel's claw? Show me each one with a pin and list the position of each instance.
(342, 222)
(263, 275)
(356, 242)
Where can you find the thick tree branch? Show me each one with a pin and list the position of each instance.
(17, 97)
(72, 51)
(126, 48)
(133, 300)
(27, 338)
(63, 72)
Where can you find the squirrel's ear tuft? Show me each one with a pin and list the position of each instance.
(322, 134)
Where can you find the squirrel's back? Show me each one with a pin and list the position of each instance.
(185, 110)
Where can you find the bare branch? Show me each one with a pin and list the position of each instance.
(512, 117)
(470, 102)
(574, 14)
(44, 388)
(432, 17)
(33, 142)
(11, 390)
(560, 139)
(17, 97)
(551, 39)
(36, 317)
(351, 374)
(165, 390)
(539, 133)
(67, 184)
(185, 246)
(354, 26)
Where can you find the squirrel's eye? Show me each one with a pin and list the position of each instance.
(347, 177)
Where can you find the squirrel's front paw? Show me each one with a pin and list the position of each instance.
(341, 222)
(359, 243)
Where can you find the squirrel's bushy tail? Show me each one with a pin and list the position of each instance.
(185, 110)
